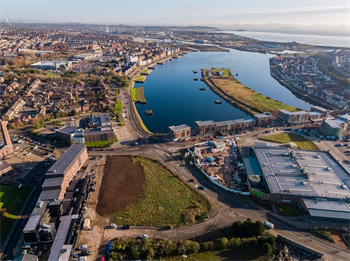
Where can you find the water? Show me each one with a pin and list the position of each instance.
(175, 98)
(324, 40)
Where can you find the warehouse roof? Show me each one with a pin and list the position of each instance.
(304, 173)
(328, 209)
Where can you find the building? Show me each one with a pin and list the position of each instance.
(14, 110)
(51, 65)
(289, 175)
(330, 128)
(262, 119)
(344, 121)
(324, 112)
(293, 118)
(131, 59)
(4, 167)
(101, 120)
(61, 248)
(79, 136)
(203, 127)
(6, 147)
(26, 257)
(180, 131)
(38, 228)
(62, 172)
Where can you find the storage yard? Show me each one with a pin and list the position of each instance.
(219, 160)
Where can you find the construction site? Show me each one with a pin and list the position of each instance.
(220, 161)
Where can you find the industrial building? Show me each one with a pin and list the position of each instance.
(330, 128)
(63, 171)
(180, 131)
(284, 175)
(51, 65)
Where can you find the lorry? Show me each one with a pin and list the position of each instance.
(268, 224)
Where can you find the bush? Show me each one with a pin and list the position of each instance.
(208, 246)
(267, 249)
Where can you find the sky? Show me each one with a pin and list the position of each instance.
(330, 17)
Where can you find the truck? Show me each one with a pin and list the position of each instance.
(268, 224)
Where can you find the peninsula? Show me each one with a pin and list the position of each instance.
(224, 84)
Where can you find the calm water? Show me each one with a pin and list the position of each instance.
(325, 40)
(175, 98)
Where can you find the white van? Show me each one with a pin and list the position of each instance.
(268, 224)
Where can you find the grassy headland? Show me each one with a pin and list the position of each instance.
(137, 95)
(241, 96)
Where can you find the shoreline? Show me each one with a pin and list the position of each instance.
(294, 90)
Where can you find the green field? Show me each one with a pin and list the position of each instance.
(11, 203)
(299, 140)
(166, 200)
(140, 78)
(145, 71)
(118, 106)
(137, 95)
(98, 144)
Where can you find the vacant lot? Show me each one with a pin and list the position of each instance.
(122, 184)
(140, 191)
(299, 140)
(11, 202)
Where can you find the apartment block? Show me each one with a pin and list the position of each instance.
(180, 131)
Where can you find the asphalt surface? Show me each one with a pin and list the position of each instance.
(8, 253)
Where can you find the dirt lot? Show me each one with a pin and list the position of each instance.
(121, 185)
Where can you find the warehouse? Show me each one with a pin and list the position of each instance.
(288, 175)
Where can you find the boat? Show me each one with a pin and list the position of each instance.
(218, 101)
(194, 71)
(195, 79)
(202, 88)
(236, 74)
(149, 112)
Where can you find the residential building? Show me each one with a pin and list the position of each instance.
(324, 112)
(63, 171)
(14, 110)
(262, 119)
(203, 127)
(76, 135)
(180, 131)
(330, 128)
(293, 118)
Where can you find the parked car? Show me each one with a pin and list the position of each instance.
(85, 253)
(113, 225)
(143, 236)
(126, 227)
(82, 247)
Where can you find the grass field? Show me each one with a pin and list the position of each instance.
(137, 95)
(227, 72)
(164, 200)
(118, 106)
(98, 144)
(140, 78)
(10, 206)
(299, 140)
(145, 71)
(246, 95)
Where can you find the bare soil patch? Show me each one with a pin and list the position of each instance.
(122, 184)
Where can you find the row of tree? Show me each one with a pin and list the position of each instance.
(253, 235)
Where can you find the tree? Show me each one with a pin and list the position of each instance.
(208, 246)
(74, 112)
(221, 243)
(235, 243)
(267, 249)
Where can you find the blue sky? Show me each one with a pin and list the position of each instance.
(273, 15)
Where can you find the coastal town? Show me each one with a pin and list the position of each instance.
(83, 177)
